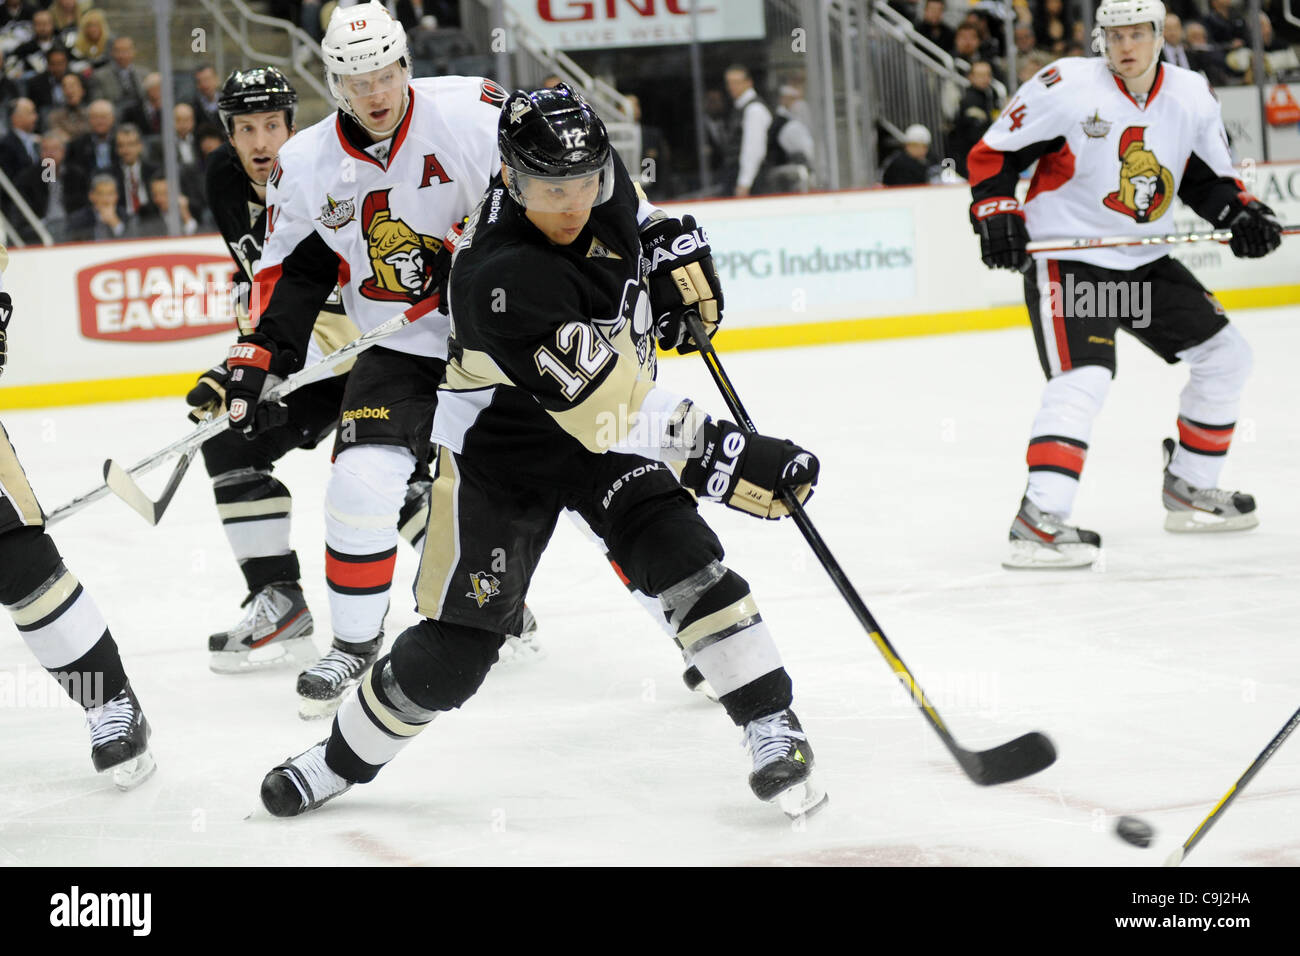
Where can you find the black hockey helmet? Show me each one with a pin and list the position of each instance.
(262, 89)
(556, 150)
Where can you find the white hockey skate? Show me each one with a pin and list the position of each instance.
(1204, 509)
(522, 647)
(1039, 539)
(275, 631)
(302, 783)
(783, 764)
(322, 687)
(119, 740)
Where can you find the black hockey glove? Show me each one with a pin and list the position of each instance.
(682, 276)
(1001, 227)
(6, 313)
(749, 472)
(208, 396)
(251, 361)
(1255, 230)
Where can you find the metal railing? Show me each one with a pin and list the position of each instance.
(524, 59)
(12, 236)
(303, 50)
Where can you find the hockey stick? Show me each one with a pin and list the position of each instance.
(1176, 238)
(1010, 761)
(1181, 852)
(124, 484)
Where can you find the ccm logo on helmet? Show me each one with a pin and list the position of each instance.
(725, 466)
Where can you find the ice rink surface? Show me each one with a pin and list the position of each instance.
(1159, 676)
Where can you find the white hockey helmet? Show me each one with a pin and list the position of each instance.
(358, 40)
(1125, 13)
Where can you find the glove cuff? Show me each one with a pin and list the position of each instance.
(982, 209)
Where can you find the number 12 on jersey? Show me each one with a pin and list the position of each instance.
(592, 354)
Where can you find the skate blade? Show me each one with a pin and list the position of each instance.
(1192, 521)
(1028, 555)
(299, 651)
(802, 800)
(520, 650)
(131, 773)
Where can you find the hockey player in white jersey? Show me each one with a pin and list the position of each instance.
(1116, 138)
(364, 199)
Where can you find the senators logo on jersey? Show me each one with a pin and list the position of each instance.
(1146, 188)
(401, 259)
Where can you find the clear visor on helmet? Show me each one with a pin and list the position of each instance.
(358, 86)
(574, 193)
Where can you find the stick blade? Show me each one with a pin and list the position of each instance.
(1013, 760)
(121, 483)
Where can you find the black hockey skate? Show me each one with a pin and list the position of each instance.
(783, 763)
(119, 740)
(322, 687)
(301, 783)
(1204, 509)
(275, 631)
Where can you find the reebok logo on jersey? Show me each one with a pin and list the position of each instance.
(353, 414)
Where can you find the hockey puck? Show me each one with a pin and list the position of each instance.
(1135, 831)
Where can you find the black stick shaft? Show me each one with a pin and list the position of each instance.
(821, 550)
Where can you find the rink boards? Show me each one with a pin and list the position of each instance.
(115, 321)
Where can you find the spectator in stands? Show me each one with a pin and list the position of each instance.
(1226, 27)
(310, 18)
(1203, 56)
(716, 114)
(1051, 28)
(149, 115)
(550, 81)
(46, 88)
(790, 147)
(9, 88)
(747, 133)
(32, 53)
(153, 217)
(90, 50)
(209, 138)
(966, 47)
(205, 97)
(67, 19)
(16, 11)
(54, 189)
(975, 114)
(94, 151)
(1025, 41)
(120, 81)
(1287, 32)
(187, 148)
(130, 171)
(990, 41)
(933, 28)
(1241, 61)
(100, 219)
(19, 148)
(909, 166)
(70, 118)
(1174, 51)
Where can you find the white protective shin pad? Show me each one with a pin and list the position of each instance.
(1070, 403)
(366, 489)
(1219, 367)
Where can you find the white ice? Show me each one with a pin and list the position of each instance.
(1159, 677)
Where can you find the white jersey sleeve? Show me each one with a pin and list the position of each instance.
(1209, 183)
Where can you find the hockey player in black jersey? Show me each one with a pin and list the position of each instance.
(257, 108)
(561, 284)
(59, 620)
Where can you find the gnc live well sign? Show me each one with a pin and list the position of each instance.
(591, 24)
